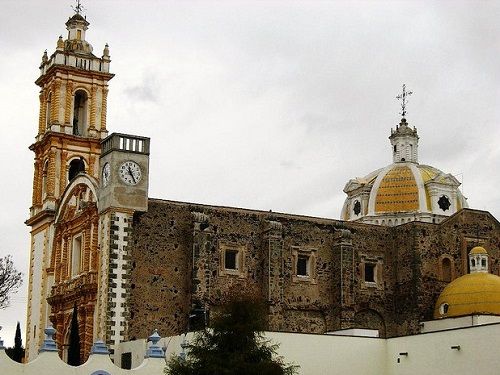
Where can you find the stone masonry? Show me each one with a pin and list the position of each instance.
(353, 275)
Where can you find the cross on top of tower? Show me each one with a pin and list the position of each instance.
(78, 8)
(404, 100)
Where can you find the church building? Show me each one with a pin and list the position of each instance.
(125, 263)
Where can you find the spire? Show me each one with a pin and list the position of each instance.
(404, 139)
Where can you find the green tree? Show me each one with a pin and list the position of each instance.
(17, 352)
(74, 341)
(233, 345)
(10, 280)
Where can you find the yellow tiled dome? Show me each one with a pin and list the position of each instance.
(397, 191)
(403, 185)
(478, 250)
(475, 293)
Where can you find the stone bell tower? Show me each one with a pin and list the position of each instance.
(72, 122)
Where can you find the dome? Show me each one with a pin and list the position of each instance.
(475, 293)
(404, 190)
(478, 250)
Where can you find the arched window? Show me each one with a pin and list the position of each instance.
(446, 269)
(44, 179)
(75, 166)
(443, 309)
(80, 113)
(47, 111)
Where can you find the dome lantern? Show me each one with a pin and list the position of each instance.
(404, 142)
(478, 260)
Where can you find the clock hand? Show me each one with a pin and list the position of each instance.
(131, 174)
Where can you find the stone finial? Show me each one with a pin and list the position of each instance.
(274, 225)
(154, 351)
(99, 347)
(200, 217)
(273, 228)
(60, 43)
(344, 236)
(49, 345)
(45, 57)
(105, 52)
(201, 221)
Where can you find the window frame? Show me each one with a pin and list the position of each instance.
(378, 267)
(240, 251)
(310, 255)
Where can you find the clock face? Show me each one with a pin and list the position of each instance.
(130, 172)
(106, 174)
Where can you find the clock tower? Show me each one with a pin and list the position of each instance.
(64, 217)
(123, 190)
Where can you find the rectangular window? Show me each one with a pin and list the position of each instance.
(126, 361)
(231, 260)
(76, 255)
(302, 265)
(370, 272)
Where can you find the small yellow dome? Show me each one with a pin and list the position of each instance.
(478, 250)
(475, 293)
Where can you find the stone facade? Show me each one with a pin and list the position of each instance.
(357, 275)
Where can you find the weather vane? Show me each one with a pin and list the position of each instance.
(78, 8)
(404, 100)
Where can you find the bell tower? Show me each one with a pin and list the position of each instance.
(72, 122)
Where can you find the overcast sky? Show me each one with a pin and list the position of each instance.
(264, 104)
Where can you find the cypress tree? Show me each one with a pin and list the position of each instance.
(18, 345)
(74, 341)
(17, 352)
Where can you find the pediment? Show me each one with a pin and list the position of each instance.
(444, 179)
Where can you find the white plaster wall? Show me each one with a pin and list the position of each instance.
(325, 354)
(427, 354)
(49, 363)
(431, 353)
(35, 292)
(461, 322)
(315, 354)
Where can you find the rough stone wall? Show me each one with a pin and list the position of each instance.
(160, 251)
(178, 264)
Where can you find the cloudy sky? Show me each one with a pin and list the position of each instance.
(264, 104)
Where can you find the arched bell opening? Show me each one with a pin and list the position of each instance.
(75, 166)
(80, 111)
